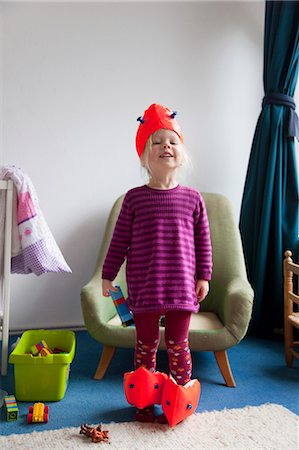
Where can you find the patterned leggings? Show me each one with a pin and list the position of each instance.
(176, 340)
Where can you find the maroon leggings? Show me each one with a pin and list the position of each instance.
(176, 340)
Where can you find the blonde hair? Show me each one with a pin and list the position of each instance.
(145, 153)
(185, 163)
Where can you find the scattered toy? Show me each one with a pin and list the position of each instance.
(12, 410)
(95, 434)
(38, 413)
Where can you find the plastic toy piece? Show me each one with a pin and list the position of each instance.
(38, 413)
(44, 344)
(11, 406)
(122, 308)
(44, 352)
(41, 348)
(95, 434)
(144, 388)
(179, 402)
(57, 350)
(35, 349)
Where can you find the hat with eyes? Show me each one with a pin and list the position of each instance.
(155, 117)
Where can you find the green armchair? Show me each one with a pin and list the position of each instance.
(225, 313)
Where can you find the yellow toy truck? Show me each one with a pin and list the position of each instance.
(38, 413)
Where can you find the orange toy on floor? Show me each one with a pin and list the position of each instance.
(179, 402)
(144, 388)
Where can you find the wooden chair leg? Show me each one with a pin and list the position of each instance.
(107, 355)
(223, 364)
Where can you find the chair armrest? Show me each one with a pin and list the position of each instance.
(97, 309)
(237, 307)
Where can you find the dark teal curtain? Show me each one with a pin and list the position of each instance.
(269, 211)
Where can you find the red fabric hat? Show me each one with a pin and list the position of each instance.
(154, 118)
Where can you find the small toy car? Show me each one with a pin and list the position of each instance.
(38, 413)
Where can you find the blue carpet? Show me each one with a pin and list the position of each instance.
(258, 366)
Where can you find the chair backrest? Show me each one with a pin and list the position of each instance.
(228, 259)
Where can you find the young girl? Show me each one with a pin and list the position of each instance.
(163, 233)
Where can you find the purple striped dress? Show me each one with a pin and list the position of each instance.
(164, 235)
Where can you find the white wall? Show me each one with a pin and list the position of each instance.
(75, 78)
(1, 82)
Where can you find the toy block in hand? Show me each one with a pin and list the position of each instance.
(122, 308)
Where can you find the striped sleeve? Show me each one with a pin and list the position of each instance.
(203, 247)
(120, 242)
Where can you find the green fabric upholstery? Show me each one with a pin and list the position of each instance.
(226, 312)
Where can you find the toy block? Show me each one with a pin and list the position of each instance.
(41, 348)
(58, 350)
(45, 345)
(44, 352)
(122, 308)
(35, 349)
(11, 406)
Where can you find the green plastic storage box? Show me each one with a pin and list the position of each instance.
(42, 378)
